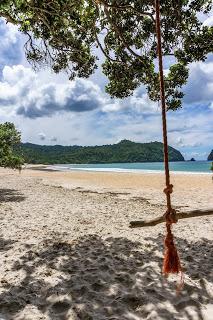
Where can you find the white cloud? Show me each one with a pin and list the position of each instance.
(138, 102)
(191, 131)
(209, 21)
(11, 34)
(95, 128)
(11, 44)
(33, 95)
(42, 136)
(23, 91)
(181, 142)
(199, 88)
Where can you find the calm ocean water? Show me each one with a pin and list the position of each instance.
(182, 166)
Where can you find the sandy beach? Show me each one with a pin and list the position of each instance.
(67, 251)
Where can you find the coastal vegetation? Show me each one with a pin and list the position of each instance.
(63, 35)
(124, 151)
(9, 138)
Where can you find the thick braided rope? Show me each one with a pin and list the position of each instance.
(171, 262)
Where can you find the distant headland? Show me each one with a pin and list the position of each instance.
(210, 157)
(122, 152)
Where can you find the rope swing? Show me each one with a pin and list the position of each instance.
(171, 262)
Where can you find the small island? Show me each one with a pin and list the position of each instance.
(192, 159)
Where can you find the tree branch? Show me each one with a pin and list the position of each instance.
(39, 9)
(104, 52)
(179, 215)
(44, 20)
(8, 18)
(143, 13)
(45, 10)
(117, 30)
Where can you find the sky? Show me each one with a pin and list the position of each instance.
(49, 109)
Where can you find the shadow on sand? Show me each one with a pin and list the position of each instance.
(11, 195)
(6, 245)
(95, 279)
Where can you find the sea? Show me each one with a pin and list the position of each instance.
(193, 167)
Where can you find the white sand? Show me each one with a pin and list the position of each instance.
(68, 253)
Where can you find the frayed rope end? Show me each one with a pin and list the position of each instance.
(171, 263)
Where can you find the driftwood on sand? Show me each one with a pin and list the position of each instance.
(179, 215)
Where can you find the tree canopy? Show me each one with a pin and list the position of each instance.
(9, 138)
(64, 35)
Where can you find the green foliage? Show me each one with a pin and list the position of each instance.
(211, 167)
(125, 151)
(9, 137)
(63, 34)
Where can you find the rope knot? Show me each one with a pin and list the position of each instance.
(170, 216)
(168, 189)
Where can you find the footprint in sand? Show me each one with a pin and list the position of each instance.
(60, 307)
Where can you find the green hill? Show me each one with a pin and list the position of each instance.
(210, 157)
(124, 151)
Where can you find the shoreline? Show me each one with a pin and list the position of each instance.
(112, 170)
